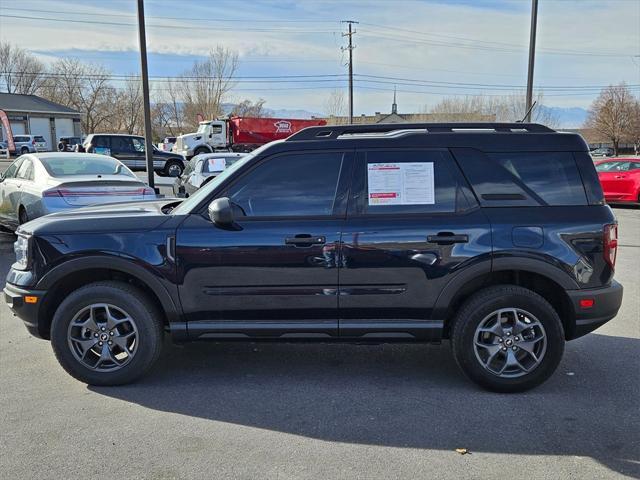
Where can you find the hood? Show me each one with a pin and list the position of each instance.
(190, 137)
(112, 217)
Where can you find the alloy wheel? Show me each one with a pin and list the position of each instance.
(103, 337)
(510, 342)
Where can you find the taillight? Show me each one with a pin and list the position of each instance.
(33, 142)
(51, 193)
(610, 241)
(63, 192)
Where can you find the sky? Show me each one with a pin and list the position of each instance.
(427, 50)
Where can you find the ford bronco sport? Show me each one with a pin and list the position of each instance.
(494, 236)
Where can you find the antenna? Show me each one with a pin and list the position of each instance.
(527, 115)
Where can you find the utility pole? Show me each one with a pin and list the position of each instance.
(148, 141)
(532, 57)
(350, 34)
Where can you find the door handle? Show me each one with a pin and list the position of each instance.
(446, 238)
(305, 240)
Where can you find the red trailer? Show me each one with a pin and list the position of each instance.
(246, 133)
(238, 134)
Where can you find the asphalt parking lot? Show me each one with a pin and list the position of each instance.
(326, 411)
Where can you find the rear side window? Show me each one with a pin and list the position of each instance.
(20, 139)
(290, 185)
(552, 176)
(408, 182)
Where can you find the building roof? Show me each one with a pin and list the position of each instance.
(12, 102)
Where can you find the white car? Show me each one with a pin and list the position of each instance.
(38, 184)
(201, 169)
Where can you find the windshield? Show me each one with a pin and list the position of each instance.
(203, 128)
(77, 164)
(193, 200)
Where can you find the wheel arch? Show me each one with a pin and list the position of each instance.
(547, 281)
(73, 274)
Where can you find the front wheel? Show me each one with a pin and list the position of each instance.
(173, 168)
(106, 333)
(507, 338)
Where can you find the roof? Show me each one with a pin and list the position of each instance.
(12, 102)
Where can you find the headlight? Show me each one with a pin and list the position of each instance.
(22, 249)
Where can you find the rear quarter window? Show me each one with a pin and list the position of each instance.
(553, 176)
(512, 179)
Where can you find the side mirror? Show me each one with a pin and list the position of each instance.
(221, 212)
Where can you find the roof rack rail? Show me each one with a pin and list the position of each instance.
(331, 132)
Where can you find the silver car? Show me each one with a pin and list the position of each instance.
(202, 169)
(41, 183)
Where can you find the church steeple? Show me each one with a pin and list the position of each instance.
(394, 105)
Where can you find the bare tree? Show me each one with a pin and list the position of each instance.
(128, 109)
(83, 87)
(247, 108)
(335, 107)
(500, 108)
(611, 114)
(633, 130)
(207, 83)
(20, 71)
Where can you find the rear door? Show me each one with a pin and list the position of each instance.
(122, 149)
(412, 225)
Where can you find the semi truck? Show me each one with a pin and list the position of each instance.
(238, 134)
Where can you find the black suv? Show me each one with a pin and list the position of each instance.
(495, 236)
(129, 149)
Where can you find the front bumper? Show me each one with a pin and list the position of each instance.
(606, 303)
(29, 313)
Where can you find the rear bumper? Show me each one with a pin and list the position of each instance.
(606, 303)
(29, 313)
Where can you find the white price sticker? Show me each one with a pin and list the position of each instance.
(409, 183)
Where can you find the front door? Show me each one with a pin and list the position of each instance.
(412, 225)
(276, 273)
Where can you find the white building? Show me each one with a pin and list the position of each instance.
(32, 115)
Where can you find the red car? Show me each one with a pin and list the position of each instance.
(620, 179)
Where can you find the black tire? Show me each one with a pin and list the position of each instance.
(200, 150)
(140, 309)
(482, 304)
(24, 151)
(173, 168)
(22, 216)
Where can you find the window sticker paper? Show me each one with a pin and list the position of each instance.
(409, 183)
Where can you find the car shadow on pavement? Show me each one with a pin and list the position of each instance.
(409, 396)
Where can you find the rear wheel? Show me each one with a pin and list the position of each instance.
(507, 338)
(24, 151)
(106, 333)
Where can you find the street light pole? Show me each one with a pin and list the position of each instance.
(532, 56)
(148, 142)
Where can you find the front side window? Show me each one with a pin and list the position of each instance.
(138, 144)
(613, 166)
(414, 182)
(290, 185)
